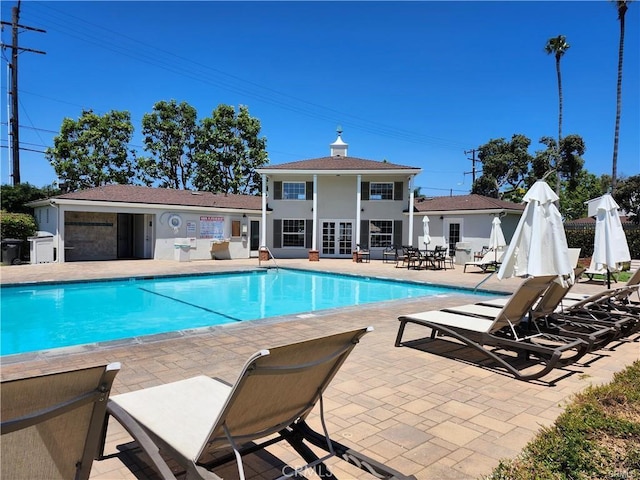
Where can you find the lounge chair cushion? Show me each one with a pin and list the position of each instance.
(453, 320)
(200, 398)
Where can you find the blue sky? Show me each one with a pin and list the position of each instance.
(415, 83)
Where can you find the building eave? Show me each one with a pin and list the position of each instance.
(152, 206)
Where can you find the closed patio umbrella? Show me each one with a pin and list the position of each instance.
(425, 230)
(610, 248)
(539, 244)
(496, 239)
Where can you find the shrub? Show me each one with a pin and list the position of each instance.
(19, 226)
(582, 236)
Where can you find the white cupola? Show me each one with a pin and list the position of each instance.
(339, 148)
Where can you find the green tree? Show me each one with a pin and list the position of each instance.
(92, 151)
(621, 6)
(505, 167)
(169, 135)
(628, 196)
(564, 163)
(14, 197)
(558, 47)
(229, 150)
(573, 198)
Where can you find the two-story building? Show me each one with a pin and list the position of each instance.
(330, 206)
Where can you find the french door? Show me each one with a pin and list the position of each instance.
(337, 238)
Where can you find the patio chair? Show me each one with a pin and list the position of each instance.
(489, 260)
(604, 308)
(503, 332)
(51, 424)
(542, 319)
(363, 255)
(390, 254)
(199, 418)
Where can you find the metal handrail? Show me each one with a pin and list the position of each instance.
(264, 247)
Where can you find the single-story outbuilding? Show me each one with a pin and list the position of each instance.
(127, 221)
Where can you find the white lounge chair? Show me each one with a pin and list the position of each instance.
(52, 424)
(491, 259)
(503, 331)
(277, 389)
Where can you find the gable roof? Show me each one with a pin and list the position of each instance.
(471, 202)
(162, 196)
(339, 164)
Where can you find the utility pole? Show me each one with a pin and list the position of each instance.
(15, 50)
(473, 164)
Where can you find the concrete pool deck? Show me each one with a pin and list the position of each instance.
(435, 416)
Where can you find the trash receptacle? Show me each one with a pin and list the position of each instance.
(11, 251)
(41, 248)
(463, 253)
(182, 250)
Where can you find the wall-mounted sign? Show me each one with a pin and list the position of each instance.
(191, 229)
(212, 227)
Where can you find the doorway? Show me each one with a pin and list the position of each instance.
(337, 238)
(135, 235)
(254, 238)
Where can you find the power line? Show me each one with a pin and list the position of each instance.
(202, 73)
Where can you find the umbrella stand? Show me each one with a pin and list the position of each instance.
(487, 278)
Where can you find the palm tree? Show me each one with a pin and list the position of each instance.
(621, 6)
(558, 46)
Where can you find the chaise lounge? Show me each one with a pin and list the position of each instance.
(193, 419)
(51, 424)
(503, 332)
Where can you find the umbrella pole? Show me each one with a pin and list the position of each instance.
(608, 279)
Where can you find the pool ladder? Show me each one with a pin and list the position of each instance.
(270, 256)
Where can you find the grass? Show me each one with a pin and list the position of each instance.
(622, 277)
(597, 437)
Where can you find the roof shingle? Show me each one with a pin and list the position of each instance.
(168, 196)
(338, 163)
(464, 202)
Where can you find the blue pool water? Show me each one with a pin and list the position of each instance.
(42, 317)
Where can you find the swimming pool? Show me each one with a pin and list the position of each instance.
(48, 316)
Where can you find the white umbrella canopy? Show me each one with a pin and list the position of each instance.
(425, 230)
(496, 239)
(539, 244)
(610, 248)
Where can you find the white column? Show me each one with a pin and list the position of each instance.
(314, 240)
(358, 206)
(263, 229)
(411, 211)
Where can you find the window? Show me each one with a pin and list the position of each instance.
(293, 233)
(380, 233)
(381, 191)
(294, 191)
(235, 228)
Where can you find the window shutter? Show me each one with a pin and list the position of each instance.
(364, 191)
(364, 234)
(277, 233)
(397, 232)
(277, 190)
(308, 232)
(309, 190)
(398, 188)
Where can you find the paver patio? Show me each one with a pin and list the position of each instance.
(432, 416)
